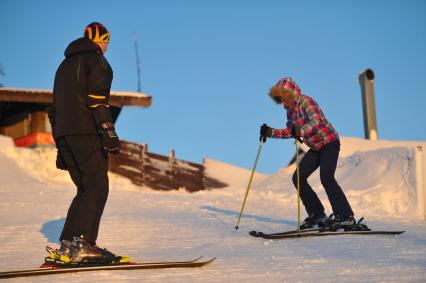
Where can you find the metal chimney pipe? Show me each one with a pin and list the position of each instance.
(366, 80)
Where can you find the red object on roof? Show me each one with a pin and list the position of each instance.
(35, 140)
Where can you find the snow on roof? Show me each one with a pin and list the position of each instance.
(129, 93)
(117, 98)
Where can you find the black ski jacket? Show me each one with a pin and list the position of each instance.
(82, 83)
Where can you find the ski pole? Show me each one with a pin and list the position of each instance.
(298, 185)
(249, 184)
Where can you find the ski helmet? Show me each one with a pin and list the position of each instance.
(97, 32)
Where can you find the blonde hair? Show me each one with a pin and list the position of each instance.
(280, 94)
(284, 89)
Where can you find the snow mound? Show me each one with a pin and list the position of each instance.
(232, 175)
(378, 177)
(150, 225)
(38, 163)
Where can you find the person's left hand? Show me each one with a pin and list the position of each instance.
(296, 133)
(110, 141)
(60, 161)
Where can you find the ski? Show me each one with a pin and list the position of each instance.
(329, 229)
(48, 269)
(260, 234)
(49, 266)
(318, 233)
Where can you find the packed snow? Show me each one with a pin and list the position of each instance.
(380, 178)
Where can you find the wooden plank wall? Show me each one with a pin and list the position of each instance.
(160, 172)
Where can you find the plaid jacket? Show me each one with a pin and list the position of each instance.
(310, 120)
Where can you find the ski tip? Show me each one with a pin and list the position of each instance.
(198, 258)
(210, 261)
(255, 233)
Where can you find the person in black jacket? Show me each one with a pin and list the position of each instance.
(84, 133)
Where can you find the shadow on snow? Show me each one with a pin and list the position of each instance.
(52, 229)
(250, 216)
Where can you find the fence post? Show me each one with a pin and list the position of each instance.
(420, 184)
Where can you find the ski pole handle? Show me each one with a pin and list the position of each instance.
(249, 184)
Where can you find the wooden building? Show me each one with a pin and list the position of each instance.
(23, 116)
(23, 113)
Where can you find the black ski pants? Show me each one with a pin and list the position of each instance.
(88, 167)
(326, 159)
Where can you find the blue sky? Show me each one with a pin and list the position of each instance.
(209, 65)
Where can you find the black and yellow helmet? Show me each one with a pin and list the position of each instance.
(97, 32)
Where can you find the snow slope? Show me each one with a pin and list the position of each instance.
(378, 177)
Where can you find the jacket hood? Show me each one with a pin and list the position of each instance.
(80, 45)
(287, 84)
(286, 89)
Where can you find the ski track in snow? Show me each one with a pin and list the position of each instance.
(153, 226)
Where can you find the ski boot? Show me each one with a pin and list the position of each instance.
(336, 222)
(81, 252)
(314, 219)
(359, 226)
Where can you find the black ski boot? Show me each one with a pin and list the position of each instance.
(314, 219)
(81, 252)
(336, 222)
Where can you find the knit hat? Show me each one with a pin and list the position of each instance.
(97, 32)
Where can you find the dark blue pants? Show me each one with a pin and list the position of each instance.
(326, 159)
(88, 167)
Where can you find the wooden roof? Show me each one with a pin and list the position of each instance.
(117, 98)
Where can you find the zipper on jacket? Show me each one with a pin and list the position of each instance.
(78, 69)
(103, 63)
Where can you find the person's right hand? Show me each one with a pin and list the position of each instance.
(265, 132)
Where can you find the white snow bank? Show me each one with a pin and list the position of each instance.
(39, 163)
(350, 145)
(381, 182)
(150, 225)
(380, 178)
(234, 176)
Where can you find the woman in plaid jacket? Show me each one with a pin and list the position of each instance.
(305, 120)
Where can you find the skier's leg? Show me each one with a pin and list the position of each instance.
(307, 166)
(71, 221)
(328, 164)
(101, 181)
(90, 201)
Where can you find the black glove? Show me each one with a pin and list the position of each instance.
(60, 161)
(110, 141)
(265, 132)
(295, 133)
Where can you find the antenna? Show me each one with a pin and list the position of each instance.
(138, 64)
